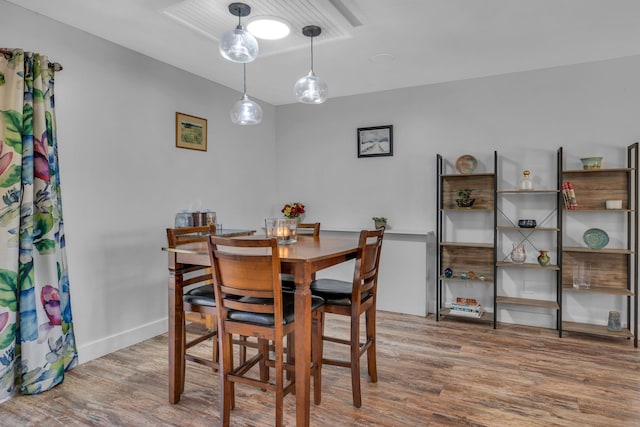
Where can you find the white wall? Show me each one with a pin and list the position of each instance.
(589, 109)
(123, 179)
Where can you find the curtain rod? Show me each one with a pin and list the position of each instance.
(56, 66)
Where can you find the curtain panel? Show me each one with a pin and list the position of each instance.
(37, 343)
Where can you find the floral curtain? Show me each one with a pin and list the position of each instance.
(37, 343)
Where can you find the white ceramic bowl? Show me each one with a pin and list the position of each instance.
(613, 204)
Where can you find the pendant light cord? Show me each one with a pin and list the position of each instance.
(244, 84)
(312, 54)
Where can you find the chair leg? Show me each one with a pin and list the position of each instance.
(291, 347)
(227, 388)
(371, 337)
(355, 360)
(243, 350)
(279, 367)
(263, 348)
(316, 355)
(184, 359)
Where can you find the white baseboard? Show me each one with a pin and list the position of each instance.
(99, 348)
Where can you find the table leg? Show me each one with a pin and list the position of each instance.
(176, 336)
(303, 345)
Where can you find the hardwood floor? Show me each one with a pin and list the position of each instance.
(430, 374)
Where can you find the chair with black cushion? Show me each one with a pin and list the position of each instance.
(250, 302)
(352, 299)
(198, 301)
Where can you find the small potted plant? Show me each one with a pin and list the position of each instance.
(380, 221)
(464, 199)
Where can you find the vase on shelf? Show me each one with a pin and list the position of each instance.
(543, 258)
(526, 183)
(518, 254)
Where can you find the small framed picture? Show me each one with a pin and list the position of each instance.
(375, 141)
(191, 132)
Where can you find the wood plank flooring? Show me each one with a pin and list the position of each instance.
(430, 374)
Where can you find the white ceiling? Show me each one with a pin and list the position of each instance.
(430, 41)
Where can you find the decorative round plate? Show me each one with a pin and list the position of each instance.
(466, 164)
(595, 238)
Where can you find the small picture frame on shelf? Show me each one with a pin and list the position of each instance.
(375, 141)
(191, 132)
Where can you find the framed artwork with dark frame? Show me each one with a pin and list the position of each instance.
(191, 132)
(375, 141)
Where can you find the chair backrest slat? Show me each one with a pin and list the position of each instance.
(365, 276)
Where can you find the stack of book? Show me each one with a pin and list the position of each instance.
(569, 195)
(467, 307)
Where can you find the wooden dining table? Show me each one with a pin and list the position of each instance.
(301, 259)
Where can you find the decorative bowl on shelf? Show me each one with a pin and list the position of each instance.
(466, 164)
(595, 238)
(527, 223)
(589, 163)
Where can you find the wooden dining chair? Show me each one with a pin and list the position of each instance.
(311, 228)
(250, 302)
(352, 299)
(198, 302)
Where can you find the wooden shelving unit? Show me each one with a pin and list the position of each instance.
(613, 270)
(549, 227)
(463, 256)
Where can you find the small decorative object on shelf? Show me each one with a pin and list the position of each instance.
(543, 258)
(464, 199)
(466, 164)
(595, 238)
(379, 221)
(589, 163)
(293, 210)
(526, 183)
(569, 195)
(527, 223)
(614, 321)
(463, 276)
(518, 254)
(468, 307)
(582, 275)
(613, 204)
(448, 273)
(471, 275)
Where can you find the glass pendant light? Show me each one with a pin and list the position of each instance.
(246, 111)
(238, 45)
(310, 89)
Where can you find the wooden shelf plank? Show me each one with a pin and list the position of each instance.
(487, 279)
(526, 265)
(578, 209)
(615, 251)
(468, 175)
(486, 316)
(515, 190)
(467, 245)
(527, 302)
(455, 208)
(598, 289)
(601, 170)
(525, 229)
(587, 328)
